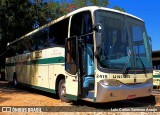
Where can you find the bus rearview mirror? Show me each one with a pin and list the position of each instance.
(98, 27)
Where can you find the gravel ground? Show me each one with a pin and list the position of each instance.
(10, 96)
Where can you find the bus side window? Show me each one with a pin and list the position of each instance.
(59, 32)
(41, 38)
(51, 38)
(83, 26)
(18, 47)
(71, 56)
(27, 43)
(10, 52)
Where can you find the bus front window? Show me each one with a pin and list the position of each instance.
(112, 52)
(140, 44)
(124, 43)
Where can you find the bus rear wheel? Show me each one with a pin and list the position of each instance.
(62, 91)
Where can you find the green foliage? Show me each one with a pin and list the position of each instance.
(17, 17)
(102, 3)
(118, 8)
(82, 3)
(15, 21)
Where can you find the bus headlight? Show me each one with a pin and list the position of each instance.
(110, 82)
(150, 80)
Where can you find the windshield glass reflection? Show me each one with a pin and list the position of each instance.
(123, 42)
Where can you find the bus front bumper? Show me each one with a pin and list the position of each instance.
(122, 92)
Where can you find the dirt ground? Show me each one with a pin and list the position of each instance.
(10, 96)
(21, 96)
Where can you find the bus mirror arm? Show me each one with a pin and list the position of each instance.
(98, 39)
(96, 53)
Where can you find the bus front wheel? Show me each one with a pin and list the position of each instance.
(62, 91)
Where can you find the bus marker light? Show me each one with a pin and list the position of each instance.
(75, 80)
(131, 96)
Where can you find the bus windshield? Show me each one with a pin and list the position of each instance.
(124, 42)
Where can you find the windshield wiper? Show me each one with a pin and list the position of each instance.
(126, 64)
(140, 60)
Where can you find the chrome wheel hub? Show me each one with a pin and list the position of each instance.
(63, 90)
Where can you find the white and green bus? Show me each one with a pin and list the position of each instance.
(93, 53)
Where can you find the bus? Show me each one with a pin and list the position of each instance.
(156, 69)
(93, 53)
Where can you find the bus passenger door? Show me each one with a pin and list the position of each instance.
(71, 68)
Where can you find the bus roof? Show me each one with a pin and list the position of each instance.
(88, 8)
(93, 8)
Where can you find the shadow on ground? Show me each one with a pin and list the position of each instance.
(139, 102)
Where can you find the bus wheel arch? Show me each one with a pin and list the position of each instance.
(15, 82)
(61, 88)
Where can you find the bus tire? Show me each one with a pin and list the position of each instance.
(15, 82)
(62, 91)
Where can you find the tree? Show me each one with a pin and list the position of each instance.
(75, 4)
(15, 20)
(46, 10)
(118, 8)
(18, 17)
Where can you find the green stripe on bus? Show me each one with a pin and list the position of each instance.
(38, 87)
(40, 61)
(94, 100)
(71, 97)
(47, 60)
(156, 76)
